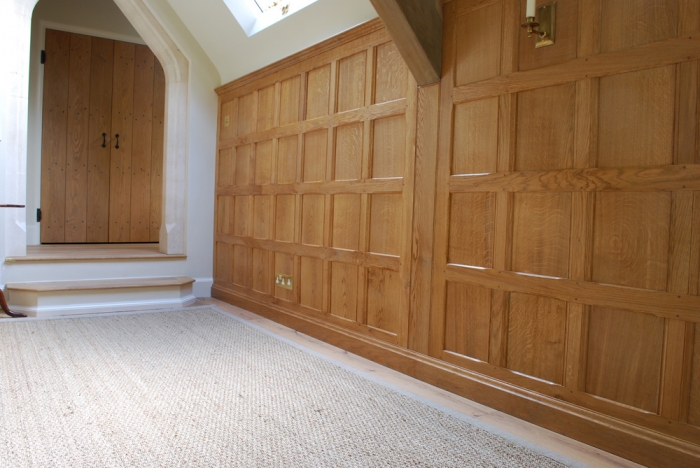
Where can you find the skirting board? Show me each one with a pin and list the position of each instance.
(627, 440)
(104, 307)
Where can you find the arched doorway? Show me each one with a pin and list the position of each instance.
(15, 24)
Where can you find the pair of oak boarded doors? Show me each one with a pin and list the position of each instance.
(102, 141)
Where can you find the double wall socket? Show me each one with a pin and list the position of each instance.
(283, 281)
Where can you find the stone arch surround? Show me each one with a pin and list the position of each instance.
(15, 36)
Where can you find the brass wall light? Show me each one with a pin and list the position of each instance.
(540, 21)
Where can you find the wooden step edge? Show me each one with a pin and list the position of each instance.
(149, 282)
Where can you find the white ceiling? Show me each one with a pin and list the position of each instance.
(234, 54)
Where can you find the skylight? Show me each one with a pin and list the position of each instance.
(256, 15)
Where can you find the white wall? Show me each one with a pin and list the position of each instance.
(201, 150)
(235, 55)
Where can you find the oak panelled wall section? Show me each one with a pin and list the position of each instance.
(314, 180)
(97, 188)
(565, 253)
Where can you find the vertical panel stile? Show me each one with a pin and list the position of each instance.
(427, 120)
(370, 64)
(298, 202)
(273, 180)
(503, 218)
(442, 193)
(407, 221)
(328, 203)
(582, 206)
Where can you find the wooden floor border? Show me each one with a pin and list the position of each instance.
(613, 435)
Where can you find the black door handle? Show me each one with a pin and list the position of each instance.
(104, 140)
(117, 145)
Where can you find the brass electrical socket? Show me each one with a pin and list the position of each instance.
(227, 121)
(284, 281)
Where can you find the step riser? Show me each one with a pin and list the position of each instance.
(44, 304)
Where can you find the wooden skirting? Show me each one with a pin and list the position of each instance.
(607, 433)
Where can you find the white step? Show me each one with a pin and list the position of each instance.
(55, 298)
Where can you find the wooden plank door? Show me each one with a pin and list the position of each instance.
(103, 130)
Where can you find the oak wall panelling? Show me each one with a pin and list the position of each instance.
(330, 144)
(524, 234)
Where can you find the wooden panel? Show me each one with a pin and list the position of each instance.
(141, 159)
(224, 262)
(157, 151)
(631, 23)
(240, 265)
(344, 290)
(289, 101)
(284, 223)
(315, 150)
(346, 221)
(266, 109)
(263, 162)
(228, 130)
(244, 156)
(468, 320)
(351, 82)
(284, 265)
(226, 166)
(348, 152)
(311, 282)
(536, 335)
(241, 216)
(53, 141)
(389, 147)
(261, 276)
(546, 128)
(383, 295)
(101, 67)
(77, 139)
(475, 137)
(566, 31)
(471, 229)
(246, 114)
(391, 74)
(261, 216)
(637, 118)
(541, 231)
(318, 92)
(624, 357)
(224, 215)
(287, 160)
(631, 236)
(312, 224)
(122, 125)
(478, 39)
(385, 224)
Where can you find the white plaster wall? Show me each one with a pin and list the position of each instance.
(235, 55)
(201, 146)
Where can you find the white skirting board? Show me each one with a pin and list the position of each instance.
(51, 299)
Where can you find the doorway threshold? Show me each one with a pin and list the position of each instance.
(92, 252)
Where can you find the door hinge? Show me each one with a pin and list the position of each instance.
(38, 215)
(43, 57)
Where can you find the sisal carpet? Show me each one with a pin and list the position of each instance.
(200, 388)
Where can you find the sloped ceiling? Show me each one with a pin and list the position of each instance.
(235, 55)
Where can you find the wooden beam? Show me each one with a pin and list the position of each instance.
(416, 28)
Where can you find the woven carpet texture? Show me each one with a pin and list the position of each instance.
(200, 388)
